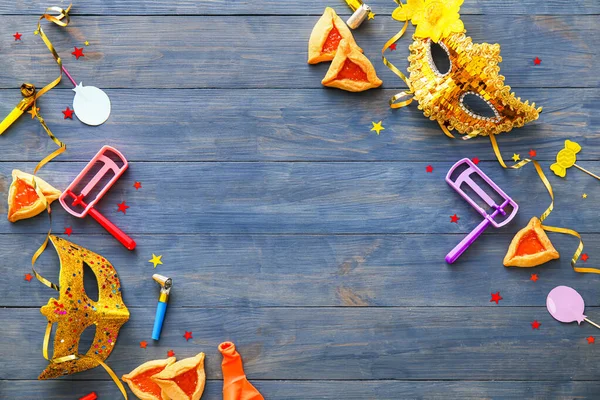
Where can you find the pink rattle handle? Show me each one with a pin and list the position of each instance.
(466, 242)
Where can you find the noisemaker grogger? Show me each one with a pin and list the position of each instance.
(496, 207)
(91, 184)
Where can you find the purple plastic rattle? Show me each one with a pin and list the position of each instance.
(565, 304)
(465, 179)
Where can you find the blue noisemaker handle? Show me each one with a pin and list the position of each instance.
(161, 310)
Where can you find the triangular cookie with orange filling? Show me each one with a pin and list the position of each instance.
(183, 380)
(326, 36)
(140, 379)
(27, 199)
(351, 70)
(530, 247)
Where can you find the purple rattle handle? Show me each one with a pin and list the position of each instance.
(466, 242)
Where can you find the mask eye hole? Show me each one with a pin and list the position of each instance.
(439, 58)
(86, 340)
(90, 282)
(477, 107)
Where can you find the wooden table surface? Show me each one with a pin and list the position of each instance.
(287, 225)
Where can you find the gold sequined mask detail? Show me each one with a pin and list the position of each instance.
(74, 311)
(474, 71)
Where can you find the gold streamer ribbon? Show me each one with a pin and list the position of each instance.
(63, 20)
(39, 252)
(28, 91)
(546, 213)
(78, 356)
(30, 95)
(405, 97)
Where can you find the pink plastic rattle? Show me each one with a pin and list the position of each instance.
(565, 304)
(91, 184)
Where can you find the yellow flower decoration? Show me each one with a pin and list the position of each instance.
(435, 19)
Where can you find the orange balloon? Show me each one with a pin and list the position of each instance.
(235, 384)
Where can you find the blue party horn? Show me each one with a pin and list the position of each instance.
(161, 309)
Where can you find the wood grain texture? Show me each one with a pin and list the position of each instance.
(474, 343)
(271, 51)
(316, 198)
(334, 390)
(288, 125)
(274, 7)
(241, 271)
(288, 226)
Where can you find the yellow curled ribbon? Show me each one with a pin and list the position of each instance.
(31, 95)
(405, 97)
(546, 213)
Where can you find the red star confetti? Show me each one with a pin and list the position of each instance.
(454, 218)
(170, 353)
(17, 36)
(393, 47)
(429, 169)
(78, 53)
(535, 325)
(534, 277)
(122, 207)
(68, 113)
(188, 335)
(143, 344)
(590, 339)
(496, 297)
(537, 61)
(28, 277)
(532, 153)
(475, 160)
(68, 231)
(584, 257)
(137, 185)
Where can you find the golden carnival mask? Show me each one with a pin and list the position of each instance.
(473, 71)
(74, 311)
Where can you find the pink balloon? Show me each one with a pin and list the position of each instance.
(565, 304)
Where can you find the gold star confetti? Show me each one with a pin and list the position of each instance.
(516, 157)
(33, 111)
(584, 195)
(36, 32)
(377, 127)
(86, 43)
(155, 260)
(371, 15)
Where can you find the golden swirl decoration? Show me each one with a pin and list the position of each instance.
(30, 95)
(407, 95)
(39, 252)
(546, 213)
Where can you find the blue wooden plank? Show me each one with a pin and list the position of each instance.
(60, 389)
(271, 52)
(239, 271)
(285, 125)
(423, 343)
(247, 7)
(357, 197)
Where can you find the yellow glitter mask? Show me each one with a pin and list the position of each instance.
(74, 311)
(473, 70)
